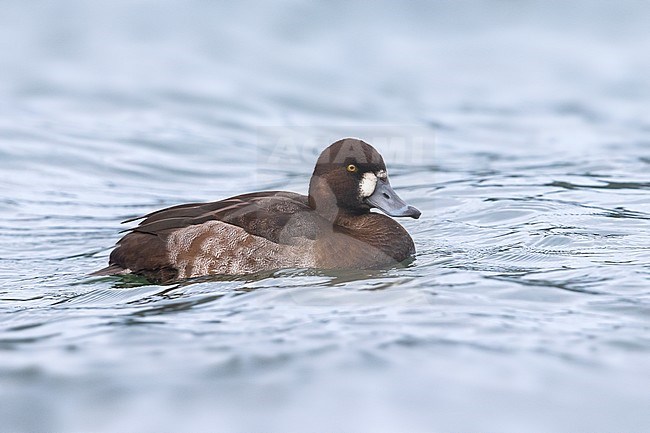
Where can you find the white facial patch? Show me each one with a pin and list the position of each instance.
(381, 174)
(367, 185)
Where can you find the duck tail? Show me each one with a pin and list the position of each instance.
(110, 270)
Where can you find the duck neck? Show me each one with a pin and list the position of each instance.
(322, 199)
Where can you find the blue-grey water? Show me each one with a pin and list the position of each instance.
(520, 129)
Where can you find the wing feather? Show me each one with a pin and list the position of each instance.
(262, 213)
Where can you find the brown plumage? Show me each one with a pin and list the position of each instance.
(329, 229)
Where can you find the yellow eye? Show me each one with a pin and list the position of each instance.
(351, 168)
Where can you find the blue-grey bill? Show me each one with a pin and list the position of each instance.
(385, 199)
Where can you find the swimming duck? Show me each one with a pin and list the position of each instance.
(331, 228)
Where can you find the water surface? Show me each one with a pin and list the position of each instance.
(519, 129)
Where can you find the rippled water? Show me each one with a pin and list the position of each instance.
(520, 130)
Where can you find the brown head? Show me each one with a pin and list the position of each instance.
(351, 177)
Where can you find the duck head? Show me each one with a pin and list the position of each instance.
(351, 177)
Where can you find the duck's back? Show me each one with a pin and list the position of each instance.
(243, 234)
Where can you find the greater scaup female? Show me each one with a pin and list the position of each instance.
(331, 228)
